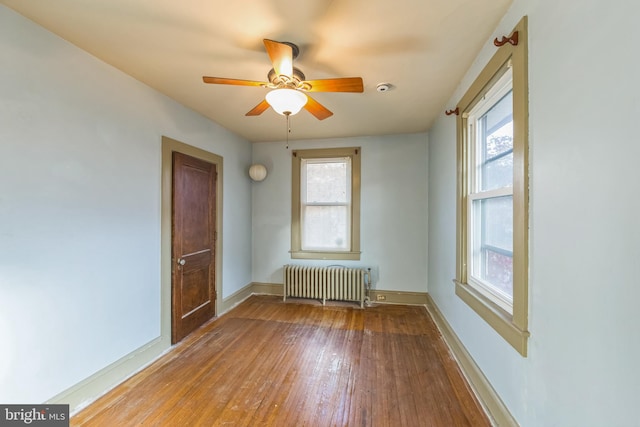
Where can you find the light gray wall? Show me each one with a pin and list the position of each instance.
(393, 203)
(80, 225)
(584, 233)
(80, 157)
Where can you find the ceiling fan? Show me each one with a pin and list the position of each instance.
(289, 84)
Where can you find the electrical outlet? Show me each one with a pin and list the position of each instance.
(381, 297)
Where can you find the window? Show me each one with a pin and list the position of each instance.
(490, 195)
(492, 220)
(326, 204)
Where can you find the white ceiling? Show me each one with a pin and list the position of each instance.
(421, 47)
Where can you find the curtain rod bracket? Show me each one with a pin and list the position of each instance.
(512, 40)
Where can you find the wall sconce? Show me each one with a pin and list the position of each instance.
(257, 172)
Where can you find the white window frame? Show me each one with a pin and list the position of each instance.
(501, 88)
(508, 318)
(299, 158)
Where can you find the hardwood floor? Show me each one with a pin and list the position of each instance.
(269, 363)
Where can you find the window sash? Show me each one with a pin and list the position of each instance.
(332, 231)
(477, 248)
(477, 158)
(305, 163)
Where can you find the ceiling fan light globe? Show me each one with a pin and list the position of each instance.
(285, 101)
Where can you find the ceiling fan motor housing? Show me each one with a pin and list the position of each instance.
(297, 78)
(295, 50)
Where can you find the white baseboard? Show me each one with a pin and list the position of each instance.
(493, 405)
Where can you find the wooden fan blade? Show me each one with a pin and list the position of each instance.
(259, 109)
(281, 56)
(318, 110)
(346, 84)
(235, 82)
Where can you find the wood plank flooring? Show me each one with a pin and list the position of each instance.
(269, 363)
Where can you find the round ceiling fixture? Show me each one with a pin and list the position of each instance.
(286, 101)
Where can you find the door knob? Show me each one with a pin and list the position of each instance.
(181, 261)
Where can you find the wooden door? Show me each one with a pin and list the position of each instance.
(193, 244)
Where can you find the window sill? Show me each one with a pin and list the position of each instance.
(500, 320)
(354, 256)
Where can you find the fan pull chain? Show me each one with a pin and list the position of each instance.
(288, 114)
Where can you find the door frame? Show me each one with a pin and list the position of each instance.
(169, 146)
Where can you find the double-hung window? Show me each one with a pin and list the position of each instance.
(490, 198)
(326, 204)
(492, 215)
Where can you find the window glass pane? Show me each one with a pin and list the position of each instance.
(496, 145)
(499, 271)
(325, 228)
(497, 222)
(498, 173)
(492, 261)
(327, 181)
